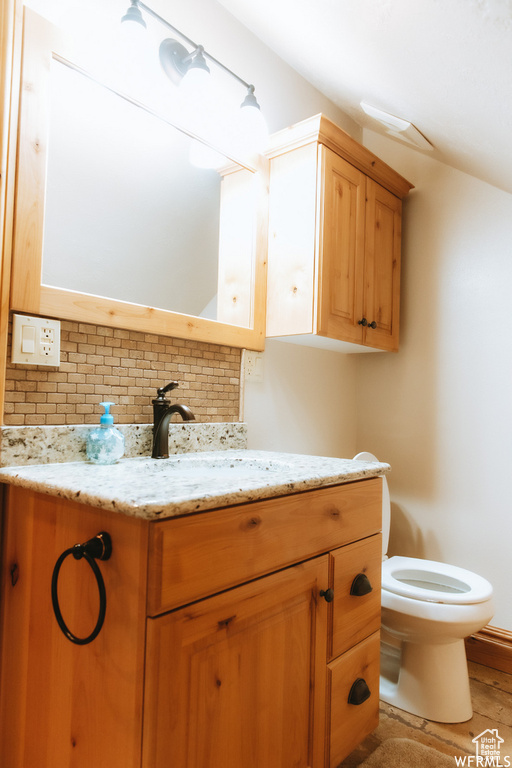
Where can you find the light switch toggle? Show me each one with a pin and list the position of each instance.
(28, 339)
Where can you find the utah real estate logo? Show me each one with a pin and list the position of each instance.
(487, 752)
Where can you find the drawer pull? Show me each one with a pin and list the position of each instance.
(359, 692)
(327, 594)
(361, 585)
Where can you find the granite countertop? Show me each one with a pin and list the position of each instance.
(160, 488)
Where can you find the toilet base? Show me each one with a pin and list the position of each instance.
(428, 680)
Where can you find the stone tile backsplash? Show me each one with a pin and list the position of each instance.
(126, 367)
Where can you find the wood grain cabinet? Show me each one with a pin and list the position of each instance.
(245, 636)
(334, 240)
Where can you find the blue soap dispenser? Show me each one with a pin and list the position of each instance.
(105, 444)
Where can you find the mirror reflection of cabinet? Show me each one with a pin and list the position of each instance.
(181, 252)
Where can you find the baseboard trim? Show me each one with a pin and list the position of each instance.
(491, 647)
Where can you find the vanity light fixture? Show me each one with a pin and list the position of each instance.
(183, 66)
(177, 62)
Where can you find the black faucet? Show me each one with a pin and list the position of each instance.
(162, 412)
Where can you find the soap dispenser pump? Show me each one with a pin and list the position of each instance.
(105, 444)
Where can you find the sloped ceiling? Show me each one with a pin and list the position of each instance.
(443, 65)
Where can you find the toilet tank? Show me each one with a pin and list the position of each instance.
(386, 503)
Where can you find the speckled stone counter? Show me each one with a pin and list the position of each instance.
(182, 484)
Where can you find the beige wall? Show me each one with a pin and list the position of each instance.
(305, 403)
(441, 410)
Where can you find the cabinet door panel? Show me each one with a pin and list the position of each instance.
(382, 270)
(341, 249)
(355, 616)
(228, 679)
(62, 704)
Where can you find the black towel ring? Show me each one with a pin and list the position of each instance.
(97, 548)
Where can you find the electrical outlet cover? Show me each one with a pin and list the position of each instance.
(35, 341)
(253, 366)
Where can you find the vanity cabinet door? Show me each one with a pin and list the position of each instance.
(239, 679)
(62, 704)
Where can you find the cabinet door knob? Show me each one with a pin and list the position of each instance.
(363, 321)
(359, 692)
(373, 324)
(361, 585)
(327, 594)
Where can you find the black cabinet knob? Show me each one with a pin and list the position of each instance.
(327, 594)
(363, 321)
(361, 585)
(373, 324)
(359, 692)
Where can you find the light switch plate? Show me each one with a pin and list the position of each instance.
(35, 341)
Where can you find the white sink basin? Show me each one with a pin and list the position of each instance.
(211, 464)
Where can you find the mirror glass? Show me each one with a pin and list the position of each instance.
(127, 215)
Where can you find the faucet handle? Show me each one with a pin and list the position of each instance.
(168, 387)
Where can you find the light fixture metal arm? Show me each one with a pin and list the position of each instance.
(176, 31)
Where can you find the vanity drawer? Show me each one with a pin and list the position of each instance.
(355, 569)
(350, 721)
(197, 555)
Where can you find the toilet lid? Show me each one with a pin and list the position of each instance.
(433, 581)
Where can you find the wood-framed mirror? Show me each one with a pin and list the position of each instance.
(96, 168)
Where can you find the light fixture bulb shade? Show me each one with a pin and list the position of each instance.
(134, 15)
(198, 60)
(202, 156)
(252, 126)
(250, 99)
(195, 83)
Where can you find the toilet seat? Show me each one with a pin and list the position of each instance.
(431, 581)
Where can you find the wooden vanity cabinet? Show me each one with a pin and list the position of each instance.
(334, 240)
(239, 668)
(231, 637)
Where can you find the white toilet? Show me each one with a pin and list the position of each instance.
(428, 608)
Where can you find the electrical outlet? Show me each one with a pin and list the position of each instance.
(253, 366)
(35, 341)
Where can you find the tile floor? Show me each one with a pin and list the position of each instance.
(491, 692)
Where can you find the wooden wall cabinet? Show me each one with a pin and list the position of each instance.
(334, 241)
(219, 649)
